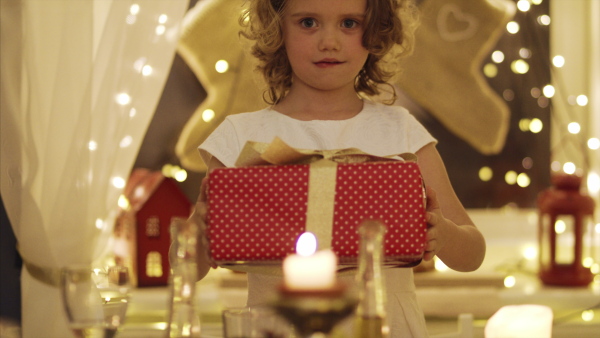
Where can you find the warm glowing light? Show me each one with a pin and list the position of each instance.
(99, 224)
(510, 281)
(549, 91)
(180, 175)
(574, 128)
(123, 99)
(147, 70)
(527, 162)
(582, 100)
(208, 115)
(123, 202)
(497, 56)
(313, 271)
(519, 66)
(134, 9)
(167, 169)
(523, 5)
(510, 177)
(595, 268)
(439, 265)
(544, 20)
(587, 315)
(186, 290)
(524, 124)
(569, 168)
(490, 70)
(587, 262)
(530, 252)
(593, 183)
(162, 19)
(132, 112)
(536, 126)
(536, 2)
(525, 53)
(222, 66)
(512, 27)
(558, 61)
(160, 30)
(174, 171)
(593, 143)
(560, 226)
(126, 141)
(485, 174)
(118, 182)
(307, 244)
(523, 180)
(92, 145)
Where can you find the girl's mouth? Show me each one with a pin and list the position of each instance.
(327, 63)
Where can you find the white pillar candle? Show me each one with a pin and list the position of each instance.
(309, 270)
(513, 321)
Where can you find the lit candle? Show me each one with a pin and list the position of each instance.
(309, 269)
(527, 320)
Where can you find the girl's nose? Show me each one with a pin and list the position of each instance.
(329, 40)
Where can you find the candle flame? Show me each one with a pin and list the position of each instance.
(306, 244)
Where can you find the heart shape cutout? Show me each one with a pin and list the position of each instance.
(455, 25)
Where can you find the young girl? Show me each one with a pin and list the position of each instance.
(322, 59)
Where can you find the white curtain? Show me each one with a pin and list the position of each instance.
(80, 80)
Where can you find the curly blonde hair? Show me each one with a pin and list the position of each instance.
(389, 34)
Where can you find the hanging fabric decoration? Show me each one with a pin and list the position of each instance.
(211, 47)
(443, 75)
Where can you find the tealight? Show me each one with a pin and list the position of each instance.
(515, 321)
(309, 270)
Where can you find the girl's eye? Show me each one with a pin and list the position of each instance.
(308, 22)
(349, 23)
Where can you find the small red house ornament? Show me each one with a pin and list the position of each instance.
(566, 234)
(142, 231)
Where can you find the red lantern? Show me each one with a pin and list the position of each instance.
(566, 233)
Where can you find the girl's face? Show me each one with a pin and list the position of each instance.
(323, 41)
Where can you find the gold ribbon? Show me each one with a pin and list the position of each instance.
(278, 152)
(322, 176)
(321, 195)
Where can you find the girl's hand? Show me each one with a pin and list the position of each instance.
(436, 225)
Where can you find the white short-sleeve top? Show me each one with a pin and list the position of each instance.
(377, 129)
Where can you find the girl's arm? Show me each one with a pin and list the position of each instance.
(451, 235)
(199, 217)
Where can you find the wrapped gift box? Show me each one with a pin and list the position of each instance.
(256, 213)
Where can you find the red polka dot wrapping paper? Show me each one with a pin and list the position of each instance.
(255, 214)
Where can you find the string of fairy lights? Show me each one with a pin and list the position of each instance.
(569, 132)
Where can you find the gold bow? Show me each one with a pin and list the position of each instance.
(278, 152)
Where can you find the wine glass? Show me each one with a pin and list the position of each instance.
(95, 300)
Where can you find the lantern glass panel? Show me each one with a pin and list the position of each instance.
(591, 242)
(564, 227)
(544, 250)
